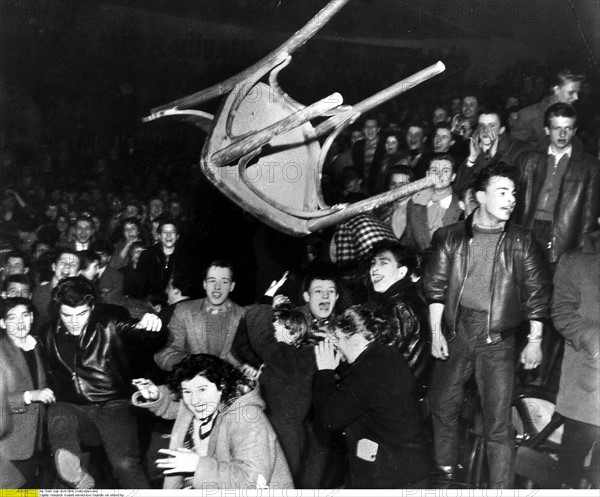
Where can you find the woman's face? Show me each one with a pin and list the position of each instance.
(62, 224)
(391, 144)
(17, 322)
(201, 396)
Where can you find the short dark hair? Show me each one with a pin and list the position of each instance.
(494, 109)
(499, 169)
(21, 279)
(74, 291)
(164, 220)
(295, 321)
(227, 378)
(564, 76)
(19, 254)
(402, 256)
(59, 251)
(12, 302)
(86, 258)
(442, 125)
(364, 320)
(184, 283)
(560, 109)
(220, 263)
(102, 245)
(320, 270)
(443, 156)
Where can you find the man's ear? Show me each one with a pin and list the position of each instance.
(547, 130)
(3, 324)
(403, 271)
(480, 196)
(204, 285)
(306, 297)
(232, 286)
(502, 130)
(53, 267)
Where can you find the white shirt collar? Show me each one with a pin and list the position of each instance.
(566, 151)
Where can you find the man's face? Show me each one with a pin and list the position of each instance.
(172, 293)
(440, 115)
(156, 208)
(218, 284)
(415, 138)
(75, 319)
(371, 129)
(498, 200)
(168, 236)
(18, 290)
(67, 265)
(568, 93)
(16, 265)
(561, 132)
(131, 211)
(104, 259)
(355, 136)
(391, 144)
(441, 171)
(489, 128)
(469, 106)
(83, 231)
(91, 271)
(321, 298)
(442, 141)
(17, 322)
(385, 271)
(397, 180)
(175, 209)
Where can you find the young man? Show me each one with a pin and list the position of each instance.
(432, 208)
(17, 285)
(489, 143)
(530, 126)
(66, 264)
(158, 262)
(206, 325)
(110, 280)
(84, 230)
(90, 376)
(368, 153)
(397, 298)
(485, 277)
(559, 190)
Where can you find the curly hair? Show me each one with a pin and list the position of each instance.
(74, 291)
(366, 321)
(228, 379)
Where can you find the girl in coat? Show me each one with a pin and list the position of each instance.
(374, 403)
(221, 437)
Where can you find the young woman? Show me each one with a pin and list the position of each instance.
(374, 403)
(221, 437)
(26, 394)
(280, 340)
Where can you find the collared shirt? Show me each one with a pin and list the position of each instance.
(555, 171)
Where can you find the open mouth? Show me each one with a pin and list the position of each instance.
(216, 295)
(324, 306)
(377, 278)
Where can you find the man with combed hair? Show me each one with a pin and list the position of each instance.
(206, 325)
(86, 352)
(529, 127)
(486, 276)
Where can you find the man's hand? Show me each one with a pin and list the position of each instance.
(475, 148)
(281, 300)
(439, 346)
(326, 356)
(276, 285)
(147, 388)
(149, 322)
(45, 396)
(531, 357)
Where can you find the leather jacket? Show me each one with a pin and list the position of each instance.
(578, 206)
(521, 283)
(101, 370)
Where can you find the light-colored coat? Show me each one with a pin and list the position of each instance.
(188, 333)
(243, 451)
(576, 315)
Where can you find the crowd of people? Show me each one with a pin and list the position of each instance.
(349, 370)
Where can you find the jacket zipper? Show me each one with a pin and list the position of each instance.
(489, 324)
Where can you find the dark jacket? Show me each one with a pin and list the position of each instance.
(529, 127)
(576, 315)
(101, 370)
(406, 310)
(521, 285)
(578, 206)
(375, 405)
(156, 271)
(358, 156)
